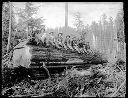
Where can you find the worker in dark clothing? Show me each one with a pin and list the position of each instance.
(50, 40)
(40, 37)
(32, 36)
(68, 43)
(59, 41)
(74, 44)
(87, 46)
(81, 46)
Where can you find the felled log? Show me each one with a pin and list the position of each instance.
(36, 54)
(42, 54)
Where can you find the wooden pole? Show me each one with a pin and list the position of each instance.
(66, 16)
(10, 21)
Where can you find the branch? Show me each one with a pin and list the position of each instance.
(118, 88)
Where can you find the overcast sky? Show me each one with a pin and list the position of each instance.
(54, 12)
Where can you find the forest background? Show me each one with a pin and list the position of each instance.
(106, 35)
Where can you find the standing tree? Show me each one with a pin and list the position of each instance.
(8, 27)
(94, 31)
(100, 30)
(79, 25)
(5, 26)
(27, 22)
(119, 22)
(78, 22)
(110, 34)
(104, 33)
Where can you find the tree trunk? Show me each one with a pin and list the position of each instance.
(66, 17)
(10, 20)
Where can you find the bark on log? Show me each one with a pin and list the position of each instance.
(40, 54)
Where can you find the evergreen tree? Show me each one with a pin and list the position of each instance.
(111, 34)
(104, 33)
(100, 35)
(119, 24)
(26, 20)
(79, 25)
(5, 27)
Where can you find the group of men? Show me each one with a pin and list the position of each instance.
(49, 40)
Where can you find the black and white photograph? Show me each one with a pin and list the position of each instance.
(63, 49)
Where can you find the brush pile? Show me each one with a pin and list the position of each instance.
(98, 81)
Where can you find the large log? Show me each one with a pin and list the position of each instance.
(62, 64)
(54, 54)
(37, 54)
